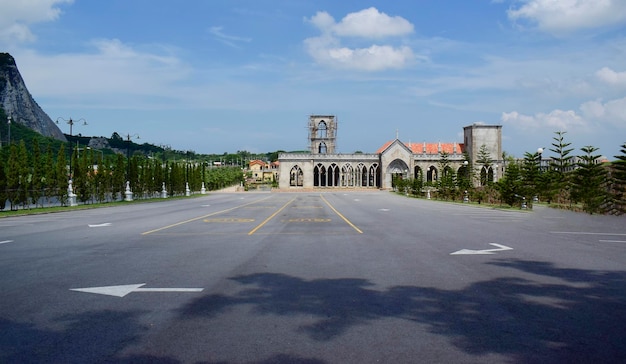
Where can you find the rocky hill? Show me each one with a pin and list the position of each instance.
(18, 103)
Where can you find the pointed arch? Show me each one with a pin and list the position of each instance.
(322, 129)
(319, 175)
(432, 174)
(296, 177)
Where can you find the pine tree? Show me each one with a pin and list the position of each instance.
(38, 174)
(3, 179)
(49, 180)
(619, 182)
(530, 174)
(61, 176)
(561, 165)
(445, 184)
(24, 174)
(510, 186)
(484, 162)
(590, 181)
(118, 181)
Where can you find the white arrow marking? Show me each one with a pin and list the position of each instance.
(486, 251)
(100, 225)
(121, 291)
(6, 241)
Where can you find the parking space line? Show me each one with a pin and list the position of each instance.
(341, 216)
(201, 217)
(271, 217)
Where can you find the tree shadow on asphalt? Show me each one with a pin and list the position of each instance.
(554, 315)
(89, 337)
(85, 338)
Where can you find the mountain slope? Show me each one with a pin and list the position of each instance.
(19, 104)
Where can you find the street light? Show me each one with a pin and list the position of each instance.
(71, 122)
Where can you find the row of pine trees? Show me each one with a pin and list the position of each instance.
(41, 177)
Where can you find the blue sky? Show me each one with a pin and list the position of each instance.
(222, 76)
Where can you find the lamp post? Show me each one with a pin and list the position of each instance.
(71, 123)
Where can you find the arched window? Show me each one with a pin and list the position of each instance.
(431, 175)
(322, 129)
(333, 173)
(347, 175)
(486, 175)
(322, 148)
(418, 174)
(295, 176)
(319, 176)
(373, 175)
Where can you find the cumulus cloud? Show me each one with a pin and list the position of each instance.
(554, 120)
(560, 17)
(612, 77)
(369, 23)
(590, 113)
(609, 112)
(16, 17)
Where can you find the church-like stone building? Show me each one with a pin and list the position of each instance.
(323, 167)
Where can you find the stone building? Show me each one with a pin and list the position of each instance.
(323, 167)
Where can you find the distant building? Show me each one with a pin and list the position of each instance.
(262, 171)
(323, 167)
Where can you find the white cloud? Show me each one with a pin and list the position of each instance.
(557, 120)
(611, 112)
(369, 23)
(17, 16)
(326, 50)
(112, 70)
(611, 77)
(560, 17)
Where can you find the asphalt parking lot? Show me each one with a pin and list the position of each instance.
(316, 277)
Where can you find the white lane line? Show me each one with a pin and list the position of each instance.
(612, 241)
(99, 225)
(585, 233)
(6, 241)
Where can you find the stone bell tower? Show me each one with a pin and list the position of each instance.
(322, 134)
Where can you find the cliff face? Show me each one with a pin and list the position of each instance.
(18, 102)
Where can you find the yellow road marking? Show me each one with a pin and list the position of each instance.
(341, 216)
(201, 217)
(271, 217)
(228, 219)
(307, 219)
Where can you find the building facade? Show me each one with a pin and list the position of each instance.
(322, 167)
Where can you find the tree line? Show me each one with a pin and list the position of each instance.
(578, 182)
(40, 176)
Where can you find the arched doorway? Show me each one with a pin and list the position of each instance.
(397, 169)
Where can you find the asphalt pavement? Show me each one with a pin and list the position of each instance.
(312, 277)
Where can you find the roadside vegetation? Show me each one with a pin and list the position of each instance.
(578, 182)
(35, 171)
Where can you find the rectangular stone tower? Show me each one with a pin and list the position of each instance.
(322, 134)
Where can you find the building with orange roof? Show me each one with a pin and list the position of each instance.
(323, 167)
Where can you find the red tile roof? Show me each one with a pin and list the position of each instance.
(431, 148)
